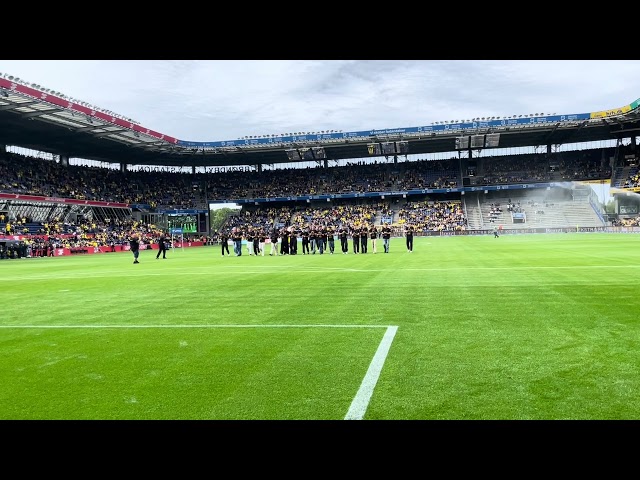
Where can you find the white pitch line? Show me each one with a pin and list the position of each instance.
(361, 401)
(197, 326)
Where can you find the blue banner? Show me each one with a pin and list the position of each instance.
(468, 127)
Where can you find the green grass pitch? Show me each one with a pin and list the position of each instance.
(516, 327)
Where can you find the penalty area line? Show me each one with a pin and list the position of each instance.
(361, 401)
(197, 326)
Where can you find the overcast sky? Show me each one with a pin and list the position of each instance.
(214, 100)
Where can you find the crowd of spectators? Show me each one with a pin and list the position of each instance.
(21, 174)
(170, 190)
(428, 215)
(538, 168)
(626, 222)
(86, 233)
(632, 180)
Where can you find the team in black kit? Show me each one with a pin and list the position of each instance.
(315, 239)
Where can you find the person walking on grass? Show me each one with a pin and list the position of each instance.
(386, 236)
(409, 238)
(343, 235)
(373, 234)
(134, 244)
(162, 246)
(224, 242)
(274, 242)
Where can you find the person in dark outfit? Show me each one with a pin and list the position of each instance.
(409, 238)
(312, 240)
(256, 243)
(274, 242)
(236, 235)
(284, 242)
(134, 244)
(331, 231)
(224, 242)
(343, 234)
(321, 239)
(355, 236)
(373, 234)
(364, 232)
(386, 237)
(293, 242)
(162, 246)
(250, 236)
(305, 241)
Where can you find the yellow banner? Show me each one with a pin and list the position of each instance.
(597, 182)
(611, 113)
(623, 190)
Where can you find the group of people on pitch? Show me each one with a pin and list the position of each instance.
(134, 245)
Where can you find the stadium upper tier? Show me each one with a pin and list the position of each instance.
(64, 108)
(47, 122)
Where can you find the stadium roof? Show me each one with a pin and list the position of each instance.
(63, 128)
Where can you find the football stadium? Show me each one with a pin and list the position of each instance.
(471, 269)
